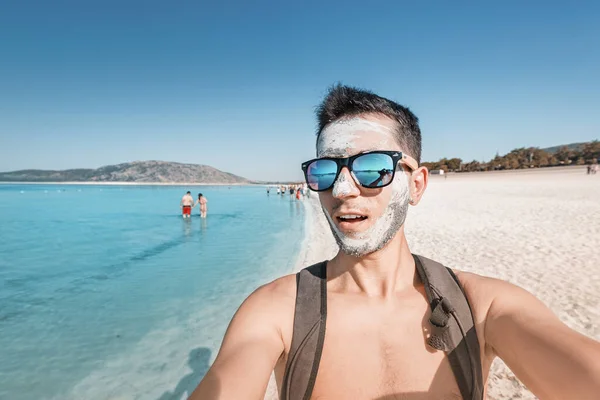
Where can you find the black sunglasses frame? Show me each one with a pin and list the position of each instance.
(347, 162)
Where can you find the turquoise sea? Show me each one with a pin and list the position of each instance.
(107, 293)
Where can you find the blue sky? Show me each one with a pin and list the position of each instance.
(234, 85)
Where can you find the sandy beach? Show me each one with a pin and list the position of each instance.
(539, 229)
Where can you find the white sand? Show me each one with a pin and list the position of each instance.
(539, 229)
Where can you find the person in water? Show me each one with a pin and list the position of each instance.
(202, 203)
(186, 205)
(376, 321)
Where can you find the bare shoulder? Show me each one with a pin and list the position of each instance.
(487, 295)
(494, 300)
(278, 289)
(494, 295)
(254, 342)
(263, 314)
(480, 289)
(269, 311)
(274, 299)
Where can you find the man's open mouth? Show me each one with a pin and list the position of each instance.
(350, 220)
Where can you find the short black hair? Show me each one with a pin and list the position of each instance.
(189, 192)
(346, 101)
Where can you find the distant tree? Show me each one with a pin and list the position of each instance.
(541, 158)
(442, 162)
(591, 150)
(428, 165)
(517, 158)
(495, 163)
(514, 162)
(472, 166)
(524, 157)
(454, 164)
(564, 155)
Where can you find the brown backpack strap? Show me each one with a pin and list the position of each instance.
(308, 335)
(452, 325)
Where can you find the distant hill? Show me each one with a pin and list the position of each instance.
(137, 171)
(572, 146)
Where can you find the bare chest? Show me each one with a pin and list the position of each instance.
(381, 353)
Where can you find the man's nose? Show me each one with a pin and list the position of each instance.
(345, 185)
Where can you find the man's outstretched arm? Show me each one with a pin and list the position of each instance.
(552, 360)
(251, 347)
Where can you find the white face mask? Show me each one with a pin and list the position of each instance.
(337, 140)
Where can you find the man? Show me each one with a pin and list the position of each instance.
(186, 205)
(384, 338)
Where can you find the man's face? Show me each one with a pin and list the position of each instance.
(382, 210)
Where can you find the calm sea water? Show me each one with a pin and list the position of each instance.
(106, 293)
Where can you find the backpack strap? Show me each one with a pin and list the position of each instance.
(452, 325)
(308, 334)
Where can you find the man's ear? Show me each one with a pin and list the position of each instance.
(418, 184)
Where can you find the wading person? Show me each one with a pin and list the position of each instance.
(186, 205)
(376, 321)
(202, 203)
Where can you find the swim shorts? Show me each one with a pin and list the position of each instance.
(187, 210)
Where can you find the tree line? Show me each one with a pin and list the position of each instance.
(525, 157)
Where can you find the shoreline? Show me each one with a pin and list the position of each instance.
(88, 183)
(525, 171)
(318, 243)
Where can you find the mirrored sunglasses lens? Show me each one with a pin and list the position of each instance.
(320, 174)
(373, 170)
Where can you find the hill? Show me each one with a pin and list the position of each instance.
(137, 171)
(572, 146)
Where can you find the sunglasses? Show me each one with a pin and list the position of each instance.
(372, 170)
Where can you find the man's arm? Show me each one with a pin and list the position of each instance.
(552, 360)
(251, 347)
